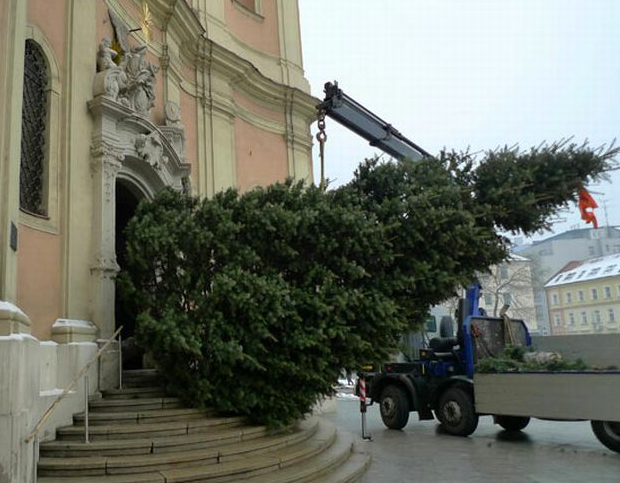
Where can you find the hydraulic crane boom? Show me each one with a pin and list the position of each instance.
(371, 127)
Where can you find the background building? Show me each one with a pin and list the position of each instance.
(584, 297)
(510, 283)
(104, 103)
(551, 254)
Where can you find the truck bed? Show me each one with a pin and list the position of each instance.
(588, 395)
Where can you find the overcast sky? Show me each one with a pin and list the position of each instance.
(470, 73)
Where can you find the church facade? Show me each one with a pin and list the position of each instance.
(104, 103)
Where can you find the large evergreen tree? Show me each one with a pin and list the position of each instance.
(253, 303)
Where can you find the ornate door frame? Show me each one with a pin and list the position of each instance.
(126, 145)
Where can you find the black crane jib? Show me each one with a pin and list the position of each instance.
(371, 127)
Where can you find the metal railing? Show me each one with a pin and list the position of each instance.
(34, 434)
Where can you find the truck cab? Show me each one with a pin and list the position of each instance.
(439, 383)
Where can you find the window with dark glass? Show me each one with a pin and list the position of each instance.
(249, 4)
(34, 122)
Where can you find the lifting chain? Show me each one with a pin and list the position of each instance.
(321, 137)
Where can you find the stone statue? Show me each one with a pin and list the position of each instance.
(132, 83)
(150, 148)
(106, 55)
(139, 91)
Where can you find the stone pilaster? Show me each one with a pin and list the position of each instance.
(106, 162)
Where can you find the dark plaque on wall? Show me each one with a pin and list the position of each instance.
(13, 240)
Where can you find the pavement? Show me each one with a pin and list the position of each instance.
(545, 452)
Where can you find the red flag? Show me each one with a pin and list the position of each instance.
(586, 201)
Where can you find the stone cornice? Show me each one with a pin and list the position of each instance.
(246, 77)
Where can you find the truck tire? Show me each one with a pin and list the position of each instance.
(512, 423)
(608, 433)
(456, 412)
(394, 407)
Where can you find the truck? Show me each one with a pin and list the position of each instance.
(443, 383)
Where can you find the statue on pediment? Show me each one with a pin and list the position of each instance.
(132, 82)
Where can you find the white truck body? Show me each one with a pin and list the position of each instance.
(590, 395)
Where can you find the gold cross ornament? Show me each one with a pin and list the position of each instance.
(146, 21)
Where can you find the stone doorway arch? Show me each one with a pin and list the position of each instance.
(130, 149)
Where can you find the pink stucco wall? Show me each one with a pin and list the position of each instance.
(51, 22)
(261, 157)
(245, 102)
(104, 25)
(188, 118)
(38, 279)
(260, 34)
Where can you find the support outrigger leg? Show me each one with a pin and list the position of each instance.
(363, 409)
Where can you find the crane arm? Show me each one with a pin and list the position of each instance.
(348, 112)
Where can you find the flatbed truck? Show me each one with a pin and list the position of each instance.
(444, 384)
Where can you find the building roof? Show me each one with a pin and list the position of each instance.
(579, 233)
(586, 270)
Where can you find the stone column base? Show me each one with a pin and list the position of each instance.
(72, 330)
(13, 320)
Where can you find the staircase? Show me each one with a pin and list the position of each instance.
(137, 434)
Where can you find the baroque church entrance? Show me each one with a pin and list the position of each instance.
(127, 200)
(132, 158)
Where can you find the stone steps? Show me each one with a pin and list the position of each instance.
(293, 448)
(124, 430)
(139, 378)
(134, 404)
(149, 416)
(133, 393)
(139, 435)
(146, 445)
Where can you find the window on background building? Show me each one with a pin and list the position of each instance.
(555, 298)
(607, 292)
(34, 122)
(571, 318)
(612, 316)
(503, 272)
(594, 271)
(609, 269)
(591, 251)
(488, 299)
(569, 297)
(580, 295)
(556, 320)
(597, 317)
(581, 274)
(594, 294)
(507, 298)
(584, 318)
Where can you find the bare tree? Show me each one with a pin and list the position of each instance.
(510, 283)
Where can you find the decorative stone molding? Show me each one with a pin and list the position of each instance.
(150, 149)
(107, 267)
(65, 331)
(104, 150)
(12, 319)
(132, 83)
(172, 111)
(126, 146)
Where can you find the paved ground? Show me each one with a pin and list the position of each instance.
(546, 452)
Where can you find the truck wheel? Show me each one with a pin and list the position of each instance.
(608, 433)
(512, 423)
(394, 407)
(456, 412)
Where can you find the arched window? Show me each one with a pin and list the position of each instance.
(34, 124)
